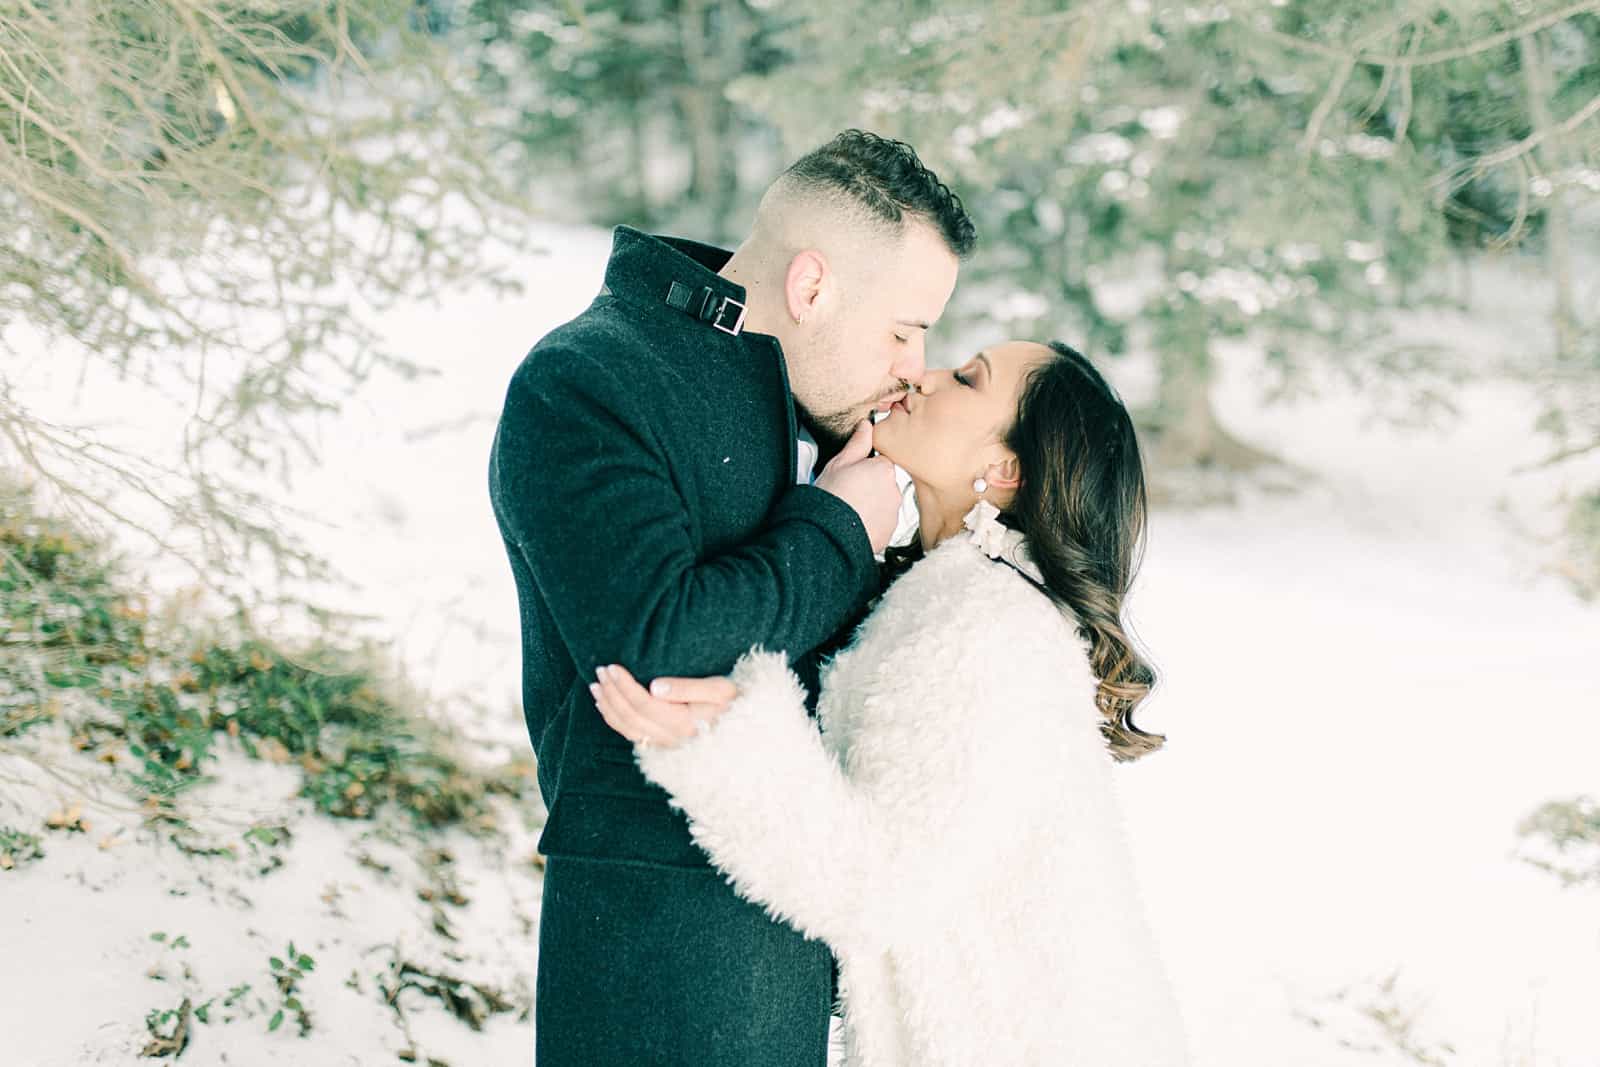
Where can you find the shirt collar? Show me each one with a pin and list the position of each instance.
(806, 453)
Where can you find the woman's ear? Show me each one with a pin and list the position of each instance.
(804, 283)
(1006, 474)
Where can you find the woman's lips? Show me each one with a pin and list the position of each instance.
(900, 406)
(888, 402)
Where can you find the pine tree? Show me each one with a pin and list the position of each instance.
(188, 190)
(1285, 170)
(611, 94)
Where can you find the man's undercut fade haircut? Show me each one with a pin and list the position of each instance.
(885, 178)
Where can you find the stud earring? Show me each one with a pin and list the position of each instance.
(980, 486)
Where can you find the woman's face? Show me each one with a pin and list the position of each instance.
(952, 431)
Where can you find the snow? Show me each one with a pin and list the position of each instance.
(84, 970)
(1365, 683)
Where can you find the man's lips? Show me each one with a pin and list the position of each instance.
(898, 400)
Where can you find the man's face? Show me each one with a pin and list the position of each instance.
(863, 351)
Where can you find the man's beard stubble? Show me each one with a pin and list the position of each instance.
(831, 430)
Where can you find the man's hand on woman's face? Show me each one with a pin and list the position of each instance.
(865, 482)
(665, 714)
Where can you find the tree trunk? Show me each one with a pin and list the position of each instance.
(732, 35)
(638, 164)
(698, 107)
(712, 54)
(1185, 426)
(1551, 159)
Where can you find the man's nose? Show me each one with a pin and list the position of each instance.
(912, 366)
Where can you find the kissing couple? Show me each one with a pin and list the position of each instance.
(791, 769)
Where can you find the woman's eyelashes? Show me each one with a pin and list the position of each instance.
(961, 377)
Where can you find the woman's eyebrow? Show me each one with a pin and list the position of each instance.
(987, 366)
(914, 323)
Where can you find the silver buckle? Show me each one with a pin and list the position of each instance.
(738, 324)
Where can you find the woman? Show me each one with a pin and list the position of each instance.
(952, 832)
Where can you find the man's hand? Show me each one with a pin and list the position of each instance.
(865, 482)
(665, 714)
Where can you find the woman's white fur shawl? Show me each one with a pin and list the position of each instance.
(953, 832)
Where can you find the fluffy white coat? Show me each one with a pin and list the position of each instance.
(952, 832)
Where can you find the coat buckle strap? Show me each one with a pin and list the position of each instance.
(705, 306)
(738, 323)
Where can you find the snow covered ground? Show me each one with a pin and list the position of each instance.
(117, 921)
(1365, 685)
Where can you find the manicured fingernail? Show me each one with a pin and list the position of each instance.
(600, 673)
(660, 688)
(594, 690)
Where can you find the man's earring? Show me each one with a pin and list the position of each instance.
(980, 486)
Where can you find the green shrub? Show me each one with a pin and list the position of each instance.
(1571, 830)
(59, 600)
(17, 848)
(1583, 544)
(359, 749)
(168, 695)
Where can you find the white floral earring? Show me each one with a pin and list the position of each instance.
(980, 486)
(998, 541)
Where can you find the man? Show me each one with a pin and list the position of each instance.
(651, 478)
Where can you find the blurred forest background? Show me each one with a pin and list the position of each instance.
(1143, 175)
(219, 202)
(1282, 170)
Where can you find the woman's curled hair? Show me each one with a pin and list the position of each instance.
(1082, 505)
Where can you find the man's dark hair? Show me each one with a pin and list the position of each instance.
(886, 178)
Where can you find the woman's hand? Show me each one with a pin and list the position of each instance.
(668, 712)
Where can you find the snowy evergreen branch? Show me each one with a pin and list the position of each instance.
(1478, 165)
(210, 195)
(1411, 59)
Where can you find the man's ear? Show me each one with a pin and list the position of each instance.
(1006, 474)
(804, 283)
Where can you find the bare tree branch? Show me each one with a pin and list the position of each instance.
(193, 187)
(1341, 76)
(1455, 177)
(1422, 59)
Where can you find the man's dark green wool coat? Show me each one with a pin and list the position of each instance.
(643, 477)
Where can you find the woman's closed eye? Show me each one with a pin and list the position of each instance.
(967, 376)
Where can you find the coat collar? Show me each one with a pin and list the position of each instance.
(643, 267)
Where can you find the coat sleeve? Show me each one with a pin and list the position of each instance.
(585, 490)
(774, 811)
(849, 863)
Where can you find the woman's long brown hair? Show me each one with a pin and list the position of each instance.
(1082, 504)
